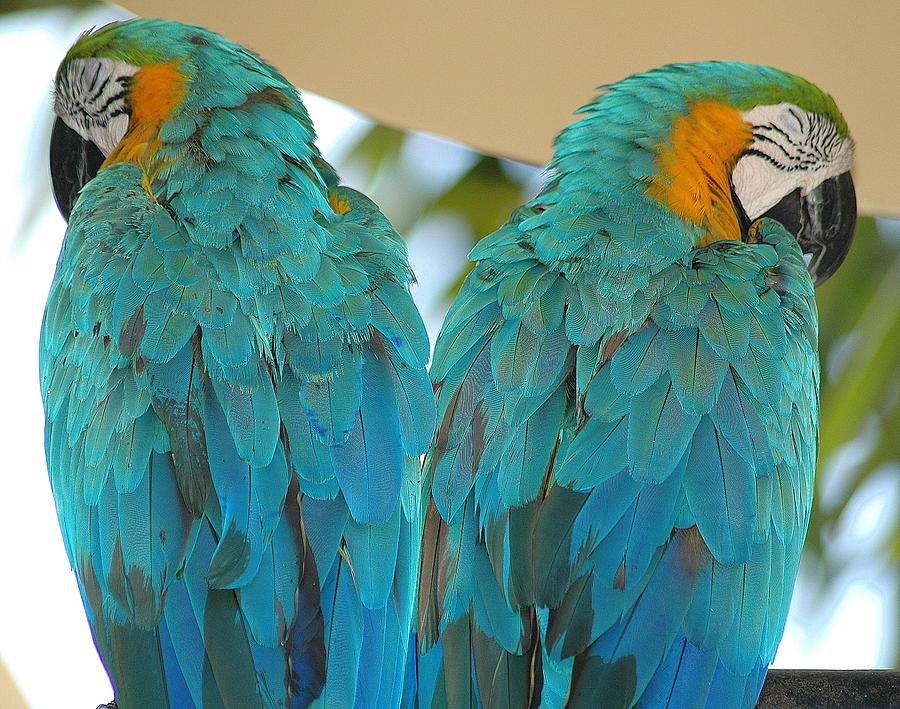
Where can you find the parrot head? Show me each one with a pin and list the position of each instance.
(795, 169)
(127, 90)
(723, 145)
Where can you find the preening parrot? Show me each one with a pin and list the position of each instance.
(234, 378)
(627, 389)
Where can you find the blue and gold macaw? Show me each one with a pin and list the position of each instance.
(627, 390)
(233, 374)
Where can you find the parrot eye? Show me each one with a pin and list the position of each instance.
(92, 109)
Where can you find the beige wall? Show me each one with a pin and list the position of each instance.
(10, 698)
(504, 77)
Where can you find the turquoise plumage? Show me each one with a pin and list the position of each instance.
(233, 373)
(627, 392)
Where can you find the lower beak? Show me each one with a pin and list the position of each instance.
(74, 162)
(828, 220)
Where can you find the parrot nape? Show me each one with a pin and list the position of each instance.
(234, 379)
(627, 390)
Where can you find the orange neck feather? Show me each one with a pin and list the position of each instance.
(694, 168)
(156, 91)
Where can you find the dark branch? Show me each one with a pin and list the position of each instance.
(831, 689)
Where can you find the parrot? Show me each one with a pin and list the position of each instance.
(234, 379)
(627, 388)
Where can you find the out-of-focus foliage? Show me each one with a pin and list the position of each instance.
(483, 195)
(859, 342)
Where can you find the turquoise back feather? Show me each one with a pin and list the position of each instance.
(234, 379)
(622, 473)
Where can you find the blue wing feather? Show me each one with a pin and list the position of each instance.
(369, 465)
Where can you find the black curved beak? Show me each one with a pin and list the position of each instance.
(74, 162)
(823, 221)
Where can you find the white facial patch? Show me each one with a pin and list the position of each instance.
(791, 149)
(91, 99)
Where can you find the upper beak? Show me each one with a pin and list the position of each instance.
(823, 221)
(828, 220)
(74, 161)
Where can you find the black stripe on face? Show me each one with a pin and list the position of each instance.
(74, 161)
